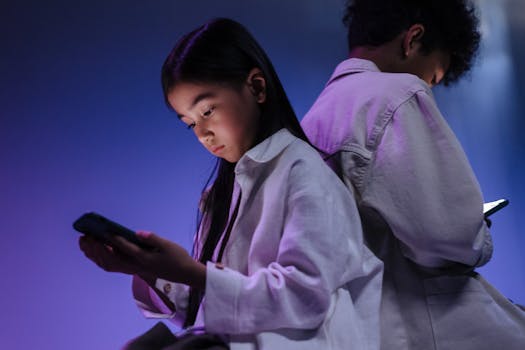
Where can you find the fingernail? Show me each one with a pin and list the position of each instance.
(144, 234)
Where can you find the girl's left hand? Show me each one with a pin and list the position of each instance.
(166, 260)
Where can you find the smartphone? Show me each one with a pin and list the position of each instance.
(490, 208)
(101, 228)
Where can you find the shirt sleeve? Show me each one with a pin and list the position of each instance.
(168, 300)
(153, 306)
(320, 250)
(421, 182)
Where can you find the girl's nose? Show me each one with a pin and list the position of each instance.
(202, 132)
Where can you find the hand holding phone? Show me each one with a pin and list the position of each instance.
(161, 258)
(102, 228)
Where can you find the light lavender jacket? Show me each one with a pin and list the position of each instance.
(297, 274)
(421, 208)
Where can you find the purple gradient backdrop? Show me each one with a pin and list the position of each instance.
(83, 127)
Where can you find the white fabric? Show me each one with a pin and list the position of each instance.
(297, 274)
(421, 207)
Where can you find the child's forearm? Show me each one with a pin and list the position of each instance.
(196, 275)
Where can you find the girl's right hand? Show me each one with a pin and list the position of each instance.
(105, 256)
(167, 260)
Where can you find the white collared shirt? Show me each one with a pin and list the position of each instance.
(388, 141)
(420, 203)
(296, 273)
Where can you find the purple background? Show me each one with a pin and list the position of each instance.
(83, 127)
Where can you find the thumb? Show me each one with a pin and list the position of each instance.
(150, 238)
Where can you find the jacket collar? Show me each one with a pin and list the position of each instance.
(353, 65)
(265, 151)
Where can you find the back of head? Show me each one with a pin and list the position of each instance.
(450, 26)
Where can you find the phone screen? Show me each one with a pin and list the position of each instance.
(490, 208)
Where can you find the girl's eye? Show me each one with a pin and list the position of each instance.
(190, 126)
(208, 113)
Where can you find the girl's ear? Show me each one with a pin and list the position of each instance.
(257, 84)
(412, 39)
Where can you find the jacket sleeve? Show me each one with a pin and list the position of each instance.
(167, 300)
(421, 182)
(320, 250)
(172, 305)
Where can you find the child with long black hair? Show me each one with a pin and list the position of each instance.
(279, 260)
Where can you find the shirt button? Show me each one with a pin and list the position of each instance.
(166, 288)
(219, 266)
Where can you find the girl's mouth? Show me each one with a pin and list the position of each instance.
(216, 149)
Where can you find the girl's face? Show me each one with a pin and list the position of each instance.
(224, 120)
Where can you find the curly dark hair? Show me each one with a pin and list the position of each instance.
(450, 26)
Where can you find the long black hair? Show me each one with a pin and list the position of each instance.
(222, 51)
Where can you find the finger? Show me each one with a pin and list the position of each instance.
(88, 245)
(152, 239)
(126, 247)
(96, 252)
(95, 249)
(84, 241)
(108, 260)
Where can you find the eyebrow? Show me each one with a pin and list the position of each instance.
(201, 97)
(197, 99)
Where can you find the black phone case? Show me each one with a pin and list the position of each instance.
(101, 228)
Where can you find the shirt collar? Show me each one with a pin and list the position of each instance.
(353, 65)
(267, 150)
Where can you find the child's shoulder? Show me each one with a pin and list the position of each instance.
(390, 86)
(280, 150)
(304, 155)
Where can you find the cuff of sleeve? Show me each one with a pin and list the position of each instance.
(168, 289)
(143, 295)
(177, 293)
(221, 309)
(150, 304)
(486, 248)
